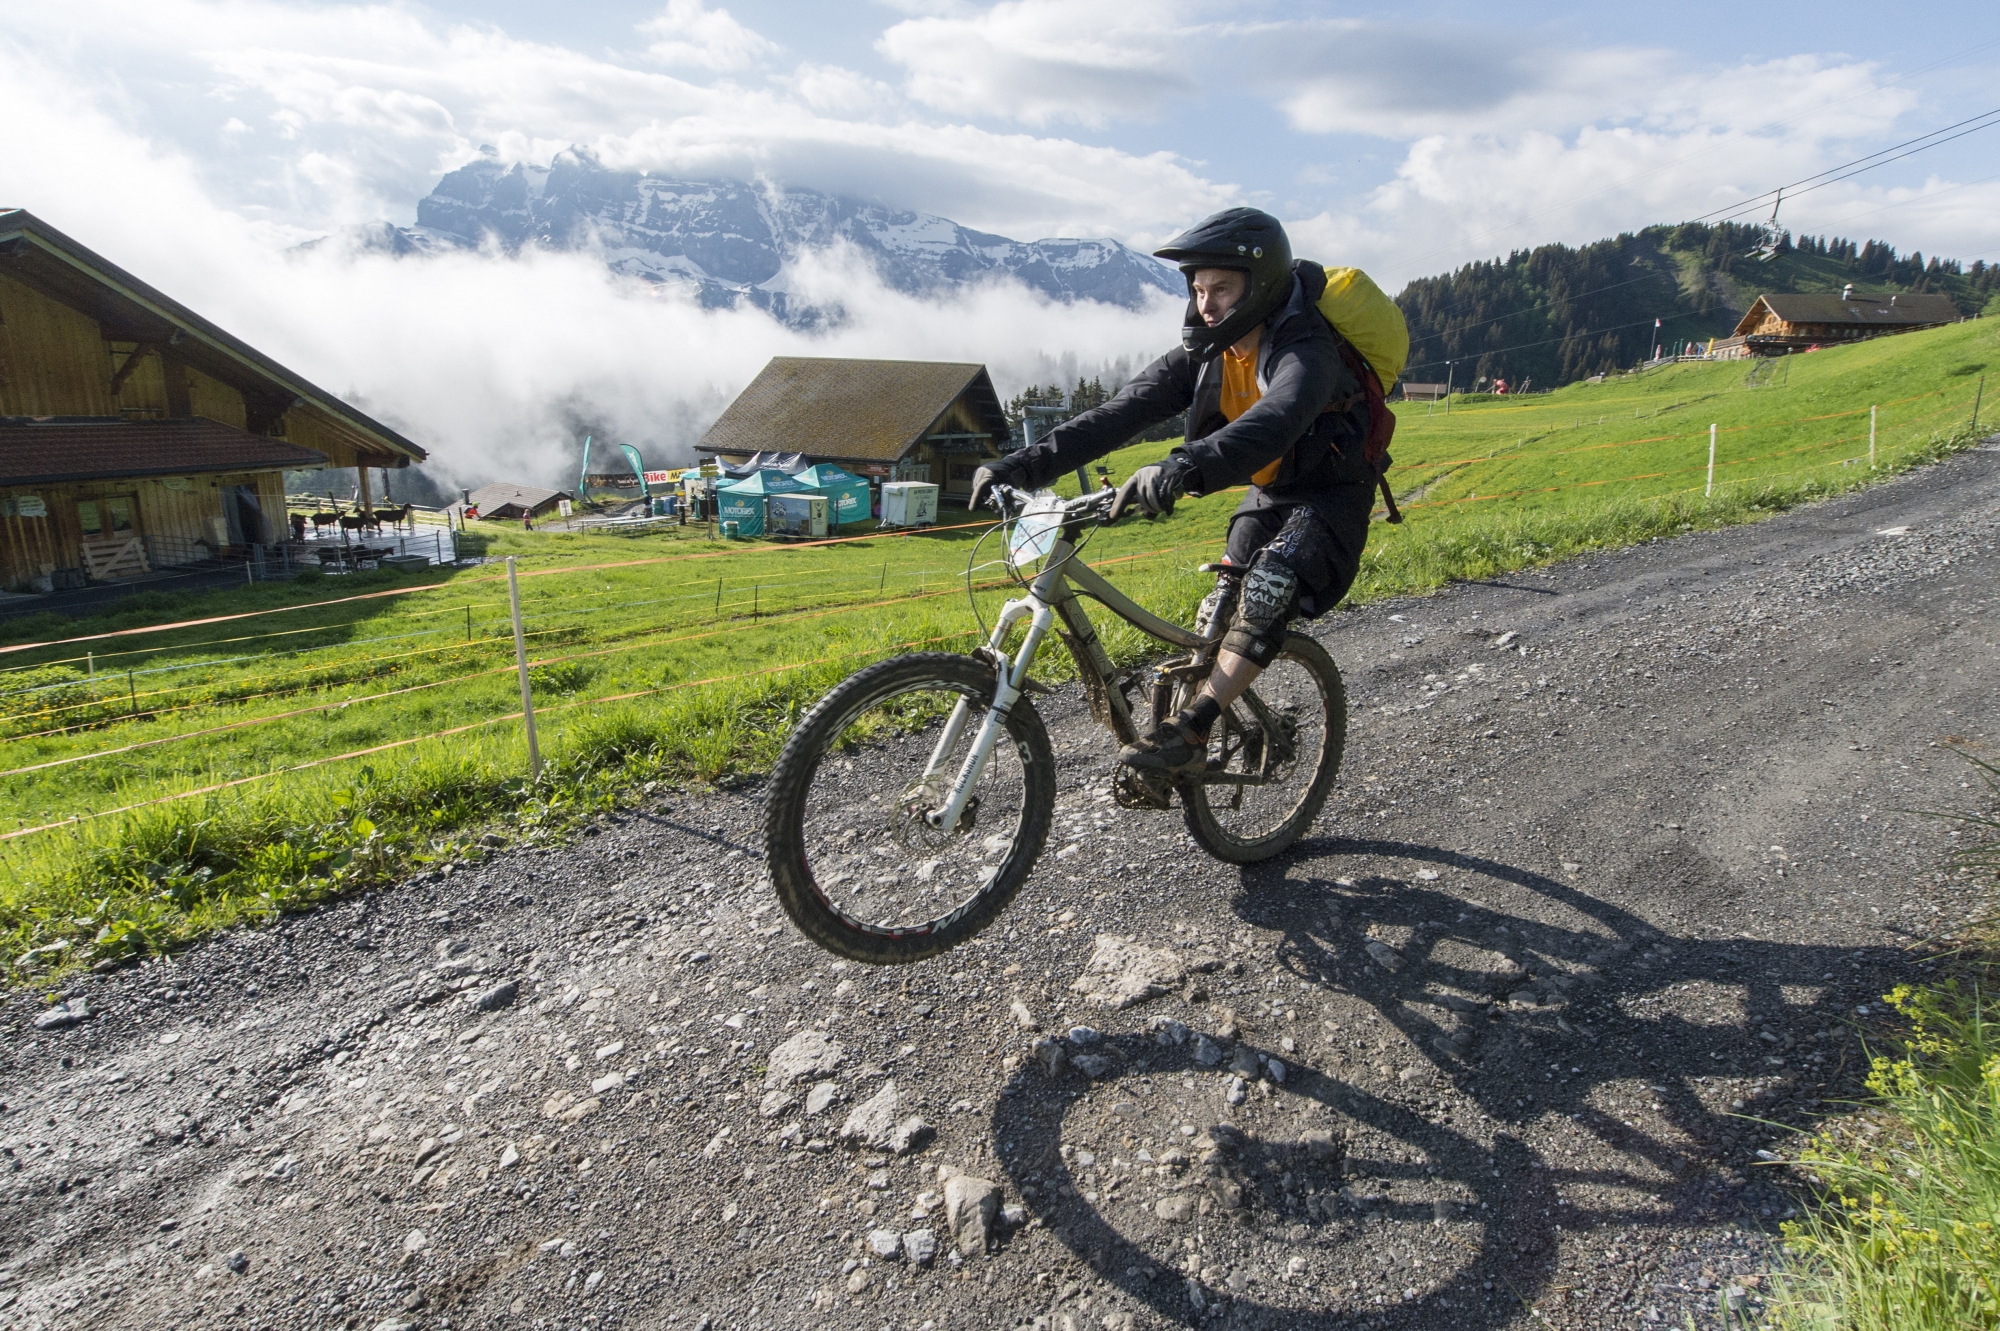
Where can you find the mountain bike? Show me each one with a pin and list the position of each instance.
(915, 798)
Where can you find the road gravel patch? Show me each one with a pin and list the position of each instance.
(1621, 860)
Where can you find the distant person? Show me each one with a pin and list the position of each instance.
(298, 526)
(527, 522)
(1271, 402)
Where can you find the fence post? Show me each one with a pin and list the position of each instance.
(131, 695)
(1711, 462)
(468, 621)
(1871, 438)
(521, 665)
(1977, 398)
(90, 664)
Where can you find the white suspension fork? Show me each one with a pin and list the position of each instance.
(1006, 689)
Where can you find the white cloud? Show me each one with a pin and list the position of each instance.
(1095, 61)
(1038, 61)
(487, 361)
(687, 33)
(1463, 196)
(832, 90)
(370, 105)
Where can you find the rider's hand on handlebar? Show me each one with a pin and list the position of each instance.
(1151, 489)
(1008, 471)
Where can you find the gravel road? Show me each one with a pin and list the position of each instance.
(1616, 873)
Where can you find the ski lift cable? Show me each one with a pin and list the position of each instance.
(1819, 109)
(1659, 274)
(1858, 165)
(1918, 198)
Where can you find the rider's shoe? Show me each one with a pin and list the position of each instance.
(1172, 747)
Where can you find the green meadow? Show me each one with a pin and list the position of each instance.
(335, 732)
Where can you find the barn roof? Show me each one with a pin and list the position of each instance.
(860, 410)
(499, 494)
(48, 452)
(39, 256)
(1890, 310)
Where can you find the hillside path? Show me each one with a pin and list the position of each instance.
(1644, 868)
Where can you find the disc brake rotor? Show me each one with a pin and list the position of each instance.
(910, 823)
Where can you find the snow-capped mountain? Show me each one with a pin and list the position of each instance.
(732, 240)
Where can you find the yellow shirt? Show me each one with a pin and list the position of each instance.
(1239, 394)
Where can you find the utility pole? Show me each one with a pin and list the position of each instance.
(1447, 388)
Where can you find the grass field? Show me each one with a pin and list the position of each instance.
(300, 723)
(1906, 1236)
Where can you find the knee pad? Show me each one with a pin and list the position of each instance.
(1270, 593)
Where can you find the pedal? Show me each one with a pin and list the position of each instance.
(1133, 789)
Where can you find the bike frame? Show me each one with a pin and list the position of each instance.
(1052, 596)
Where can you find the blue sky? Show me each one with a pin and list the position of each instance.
(198, 142)
(1406, 138)
(1553, 69)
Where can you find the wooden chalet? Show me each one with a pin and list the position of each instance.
(900, 420)
(506, 500)
(1776, 325)
(136, 435)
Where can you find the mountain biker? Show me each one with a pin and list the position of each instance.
(1271, 401)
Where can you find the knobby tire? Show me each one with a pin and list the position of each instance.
(791, 782)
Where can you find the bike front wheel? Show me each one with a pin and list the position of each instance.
(858, 865)
(1287, 734)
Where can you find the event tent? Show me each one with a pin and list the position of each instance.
(847, 495)
(743, 502)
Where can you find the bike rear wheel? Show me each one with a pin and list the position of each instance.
(856, 865)
(1296, 713)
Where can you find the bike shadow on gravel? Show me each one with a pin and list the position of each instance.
(1533, 1023)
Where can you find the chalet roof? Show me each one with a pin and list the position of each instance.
(499, 494)
(851, 410)
(49, 452)
(36, 254)
(1890, 310)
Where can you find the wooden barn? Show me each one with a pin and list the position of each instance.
(902, 420)
(1776, 325)
(506, 500)
(136, 435)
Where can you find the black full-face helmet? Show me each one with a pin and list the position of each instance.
(1253, 243)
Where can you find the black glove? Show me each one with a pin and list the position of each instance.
(1011, 470)
(1153, 489)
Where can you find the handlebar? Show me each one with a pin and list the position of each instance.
(1011, 502)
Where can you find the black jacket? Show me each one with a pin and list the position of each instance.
(1313, 414)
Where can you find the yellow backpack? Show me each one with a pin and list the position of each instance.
(1356, 307)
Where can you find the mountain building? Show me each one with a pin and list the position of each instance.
(1776, 324)
(903, 420)
(135, 434)
(504, 499)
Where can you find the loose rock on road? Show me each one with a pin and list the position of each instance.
(1615, 874)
